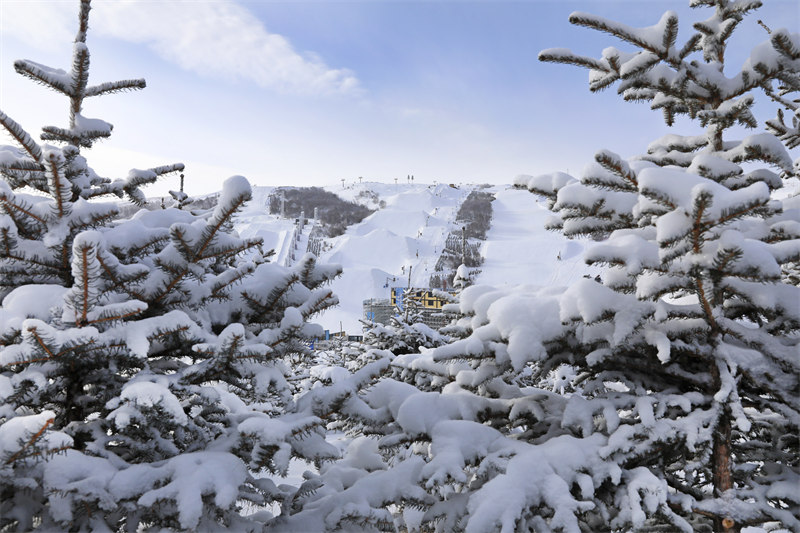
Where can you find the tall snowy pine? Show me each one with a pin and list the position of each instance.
(144, 373)
(664, 398)
(693, 319)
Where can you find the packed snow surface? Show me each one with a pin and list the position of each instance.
(518, 250)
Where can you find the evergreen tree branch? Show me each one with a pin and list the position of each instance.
(86, 137)
(725, 258)
(22, 137)
(40, 342)
(567, 57)
(83, 266)
(163, 170)
(690, 46)
(220, 285)
(153, 243)
(9, 248)
(613, 163)
(111, 317)
(115, 87)
(118, 282)
(177, 234)
(706, 304)
(138, 178)
(11, 205)
(59, 185)
(94, 221)
(701, 203)
(43, 76)
(83, 21)
(21, 165)
(30, 442)
(729, 215)
(248, 244)
(34, 262)
(278, 291)
(221, 217)
(80, 77)
(317, 303)
(783, 43)
(670, 33)
(80, 62)
(178, 275)
(626, 33)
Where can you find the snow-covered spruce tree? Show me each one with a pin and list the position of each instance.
(445, 422)
(143, 362)
(693, 320)
(684, 411)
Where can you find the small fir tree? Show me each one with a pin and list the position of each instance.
(151, 355)
(405, 332)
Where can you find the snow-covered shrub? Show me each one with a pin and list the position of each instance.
(145, 363)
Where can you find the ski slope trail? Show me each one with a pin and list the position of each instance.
(519, 250)
(408, 231)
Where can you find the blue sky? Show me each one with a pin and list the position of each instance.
(308, 93)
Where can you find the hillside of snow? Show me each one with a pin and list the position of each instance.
(408, 234)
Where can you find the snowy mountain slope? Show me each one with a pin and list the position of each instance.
(518, 250)
(376, 254)
(409, 232)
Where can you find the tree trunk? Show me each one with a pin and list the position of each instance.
(721, 460)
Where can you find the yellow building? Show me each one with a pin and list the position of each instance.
(422, 297)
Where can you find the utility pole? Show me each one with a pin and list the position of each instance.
(463, 245)
(409, 276)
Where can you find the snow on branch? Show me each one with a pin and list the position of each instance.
(788, 133)
(23, 213)
(80, 76)
(28, 436)
(58, 185)
(657, 39)
(22, 137)
(566, 56)
(762, 147)
(115, 87)
(56, 79)
(786, 43)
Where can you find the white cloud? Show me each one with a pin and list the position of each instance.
(38, 24)
(216, 38)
